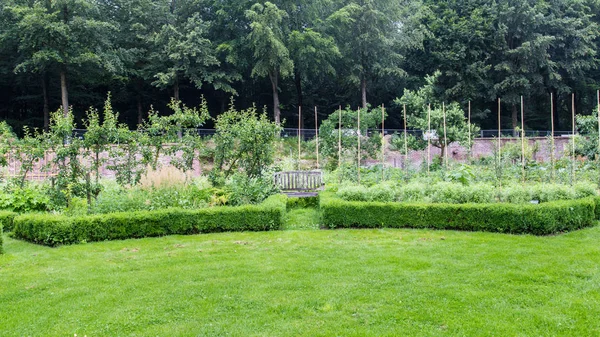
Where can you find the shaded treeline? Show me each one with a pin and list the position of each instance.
(289, 53)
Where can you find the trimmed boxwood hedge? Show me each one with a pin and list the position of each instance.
(53, 230)
(543, 219)
(597, 203)
(6, 220)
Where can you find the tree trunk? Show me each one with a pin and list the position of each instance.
(363, 91)
(515, 119)
(298, 82)
(46, 104)
(139, 109)
(276, 111)
(64, 91)
(176, 90)
(555, 105)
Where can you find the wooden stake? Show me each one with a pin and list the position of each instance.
(359, 146)
(299, 133)
(445, 138)
(428, 137)
(522, 140)
(573, 139)
(499, 144)
(340, 139)
(598, 156)
(317, 135)
(469, 125)
(405, 140)
(382, 142)
(552, 160)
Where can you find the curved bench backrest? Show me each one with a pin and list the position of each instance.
(299, 180)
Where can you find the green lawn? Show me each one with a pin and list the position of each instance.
(306, 283)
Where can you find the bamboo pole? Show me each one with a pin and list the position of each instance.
(469, 126)
(499, 161)
(573, 139)
(428, 137)
(445, 154)
(382, 142)
(299, 134)
(522, 140)
(552, 159)
(340, 139)
(405, 140)
(598, 156)
(358, 146)
(317, 135)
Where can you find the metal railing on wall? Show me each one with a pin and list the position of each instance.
(307, 134)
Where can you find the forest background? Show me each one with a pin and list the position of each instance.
(290, 53)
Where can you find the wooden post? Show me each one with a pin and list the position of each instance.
(405, 140)
(573, 139)
(552, 160)
(428, 137)
(358, 146)
(299, 134)
(317, 135)
(598, 156)
(469, 125)
(499, 161)
(382, 142)
(445, 154)
(340, 139)
(522, 140)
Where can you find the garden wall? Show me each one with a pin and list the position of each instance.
(483, 147)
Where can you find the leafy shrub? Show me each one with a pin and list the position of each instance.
(479, 193)
(244, 141)
(244, 190)
(551, 192)
(53, 230)
(584, 190)
(450, 193)
(1, 240)
(543, 219)
(26, 199)
(383, 192)
(462, 174)
(458, 193)
(412, 192)
(183, 196)
(353, 193)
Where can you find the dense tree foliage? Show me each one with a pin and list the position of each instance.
(287, 54)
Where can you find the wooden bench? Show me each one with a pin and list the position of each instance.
(300, 184)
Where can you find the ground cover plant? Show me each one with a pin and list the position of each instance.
(458, 193)
(317, 283)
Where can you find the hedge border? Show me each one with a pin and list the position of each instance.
(543, 219)
(53, 230)
(6, 220)
(1, 240)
